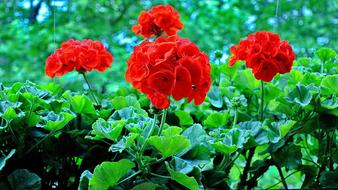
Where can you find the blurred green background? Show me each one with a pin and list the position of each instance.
(30, 30)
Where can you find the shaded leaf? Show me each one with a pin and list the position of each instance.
(183, 179)
(4, 159)
(84, 180)
(22, 179)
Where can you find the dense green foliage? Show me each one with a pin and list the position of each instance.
(63, 132)
(54, 135)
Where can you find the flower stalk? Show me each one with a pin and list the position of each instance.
(164, 116)
(90, 88)
(262, 102)
(235, 118)
(149, 134)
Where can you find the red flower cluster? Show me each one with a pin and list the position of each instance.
(265, 54)
(169, 66)
(161, 18)
(80, 55)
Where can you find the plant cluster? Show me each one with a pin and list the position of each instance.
(243, 130)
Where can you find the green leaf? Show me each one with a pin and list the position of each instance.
(172, 131)
(325, 53)
(54, 121)
(122, 102)
(271, 92)
(234, 139)
(289, 157)
(225, 149)
(284, 128)
(310, 78)
(214, 97)
(109, 130)
(330, 102)
(246, 80)
(107, 174)
(124, 143)
(281, 105)
(216, 119)
(300, 95)
(310, 175)
(81, 104)
(22, 179)
(3, 160)
(329, 85)
(167, 145)
(328, 179)
(184, 117)
(128, 113)
(230, 72)
(7, 110)
(295, 77)
(196, 135)
(146, 186)
(53, 88)
(183, 179)
(9, 114)
(84, 180)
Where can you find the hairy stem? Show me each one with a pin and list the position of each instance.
(90, 88)
(262, 102)
(235, 118)
(164, 116)
(131, 176)
(149, 134)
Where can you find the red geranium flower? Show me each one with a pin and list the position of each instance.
(83, 56)
(159, 19)
(170, 66)
(265, 54)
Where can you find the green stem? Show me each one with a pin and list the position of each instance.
(13, 134)
(39, 142)
(232, 161)
(161, 176)
(280, 181)
(262, 102)
(281, 176)
(157, 161)
(246, 169)
(235, 118)
(90, 88)
(131, 176)
(149, 134)
(322, 67)
(164, 116)
(222, 164)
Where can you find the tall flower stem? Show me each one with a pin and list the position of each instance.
(89, 87)
(246, 169)
(235, 118)
(164, 116)
(149, 134)
(282, 176)
(261, 110)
